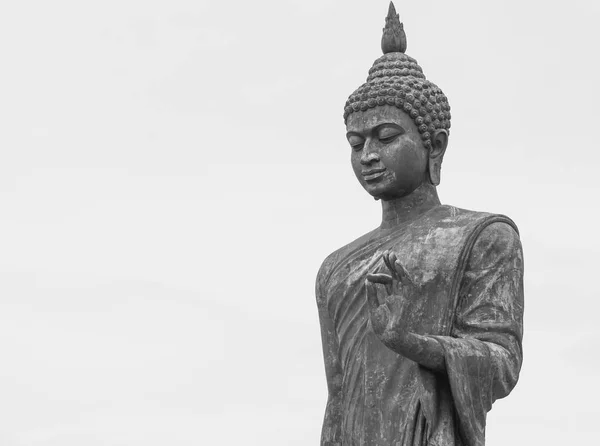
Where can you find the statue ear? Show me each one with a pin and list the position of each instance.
(439, 142)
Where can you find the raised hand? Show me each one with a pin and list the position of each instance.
(387, 316)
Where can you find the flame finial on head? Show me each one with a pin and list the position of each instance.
(394, 38)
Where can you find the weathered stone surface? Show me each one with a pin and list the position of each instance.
(421, 318)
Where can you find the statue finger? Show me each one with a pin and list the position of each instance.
(393, 258)
(384, 279)
(402, 273)
(389, 263)
(372, 299)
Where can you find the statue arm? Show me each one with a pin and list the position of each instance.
(424, 350)
(489, 315)
(331, 432)
(483, 355)
(490, 307)
(490, 310)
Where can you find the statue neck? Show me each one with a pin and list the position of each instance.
(404, 209)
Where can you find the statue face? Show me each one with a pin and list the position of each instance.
(388, 155)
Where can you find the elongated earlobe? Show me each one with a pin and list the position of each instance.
(439, 142)
(435, 171)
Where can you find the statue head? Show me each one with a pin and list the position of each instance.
(397, 121)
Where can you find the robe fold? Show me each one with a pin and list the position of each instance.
(470, 269)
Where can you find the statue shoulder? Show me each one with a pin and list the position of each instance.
(491, 238)
(454, 216)
(497, 243)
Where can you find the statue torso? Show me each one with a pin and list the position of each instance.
(386, 398)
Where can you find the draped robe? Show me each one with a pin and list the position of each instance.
(470, 269)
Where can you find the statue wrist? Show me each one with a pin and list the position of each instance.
(397, 340)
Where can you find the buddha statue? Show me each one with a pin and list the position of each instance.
(421, 318)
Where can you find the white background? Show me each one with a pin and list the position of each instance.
(172, 173)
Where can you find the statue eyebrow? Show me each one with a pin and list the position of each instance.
(351, 133)
(372, 130)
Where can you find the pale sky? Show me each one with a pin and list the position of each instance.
(174, 172)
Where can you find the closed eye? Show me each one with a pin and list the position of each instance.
(356, 142)
(387, 133)
(389, 139)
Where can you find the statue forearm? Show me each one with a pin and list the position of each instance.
(424, 350)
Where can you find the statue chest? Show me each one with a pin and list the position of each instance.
(433, 250)
(431, 265)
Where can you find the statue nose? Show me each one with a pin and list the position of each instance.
(368, 156)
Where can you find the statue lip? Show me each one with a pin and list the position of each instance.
(372, 174)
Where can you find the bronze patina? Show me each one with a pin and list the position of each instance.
(421, 318)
